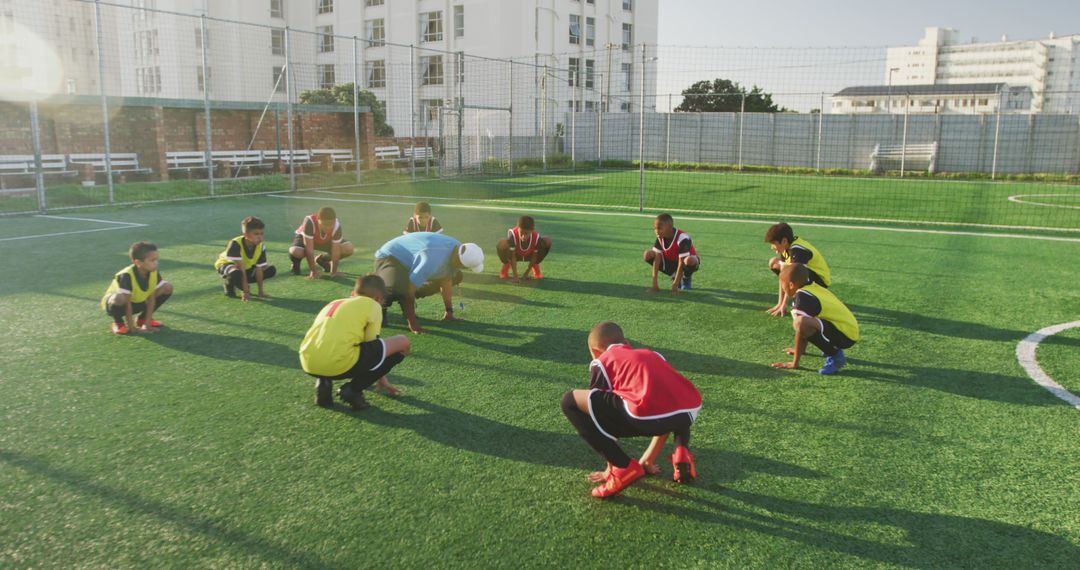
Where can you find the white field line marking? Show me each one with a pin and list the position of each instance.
(520, 185)
(637, 215)
(723, 213)
(1025, 354)
(1017, 199)
(120, 226)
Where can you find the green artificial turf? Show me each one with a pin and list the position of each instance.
(199, 446)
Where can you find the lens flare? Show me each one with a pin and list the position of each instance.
(30, 69)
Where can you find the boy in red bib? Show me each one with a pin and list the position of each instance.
(523, 243)
(321, 232)
(673, 254)
(422, 220)
(632, 392)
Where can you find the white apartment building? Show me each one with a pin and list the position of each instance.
(958, 98)
(587, 44)
(1049, 68)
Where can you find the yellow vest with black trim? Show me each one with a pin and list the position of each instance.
(248, 262)
(332, 344)
(817, 261)
(834, 310)
(137, 295)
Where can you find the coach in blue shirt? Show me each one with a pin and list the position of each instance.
(419, 264)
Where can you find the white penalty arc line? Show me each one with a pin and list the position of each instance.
(1017, 198)
(116, 226)
(1025, 354)
(697, 219)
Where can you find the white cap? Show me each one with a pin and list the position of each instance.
(472, 257)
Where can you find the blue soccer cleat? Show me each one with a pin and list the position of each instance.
(833, 363)
(686, 283)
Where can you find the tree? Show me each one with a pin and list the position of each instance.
(343, 95)
(726, 96)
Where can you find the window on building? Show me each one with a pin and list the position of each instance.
(590, 31)
(376, 32)
(200, 82)
(277, 8)
(590, 67)
(277, 42)
(325, 38)
(279, 81)
(575, 29)
(628, 5)
(148, 80)
(624, 106)
(627, 36)
(985, 102)
(431, 70)
(627, 76)
(326, 6)
(431, 108)
(459, 21)
(370, 3)
(431, 26)
(376, 73)
(460, 64)
(590, 1)
(575, 71)
(325, 73)
(590, 105)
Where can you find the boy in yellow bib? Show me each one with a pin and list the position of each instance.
(793, 249)
(819, 318)
(343, 343)
(137, 289)
(244, 260)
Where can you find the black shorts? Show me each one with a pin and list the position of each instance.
(396, 277)
(228, 268)
(298, 241)
(372, 364)
(834, 336)
(120, 311)
(668, 267)
(815, 278)
(609, 414)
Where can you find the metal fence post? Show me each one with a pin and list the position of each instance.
(997, 138)
(903, 142)
(510, 105)
(543, 118)
(412, 110)
(573, 125)
(461, 122)
(600, 127)
(356, 104)
(39, 174)
(667, 134)
(641, 135)
(742, 113)
(289, 106)
(206, 107)
(104, 101)
(820, 128)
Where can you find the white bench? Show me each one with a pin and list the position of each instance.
(342, 156)
(233, 160)
(910, 157)
(122, 162)
(420, 152)
(23, 165)
(391, 154)
(300, 158)
(186, 160)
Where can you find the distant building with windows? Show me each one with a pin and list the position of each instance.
(963, 98)
(1049, 68)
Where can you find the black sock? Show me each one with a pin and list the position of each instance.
(588, 431)
(682, 437)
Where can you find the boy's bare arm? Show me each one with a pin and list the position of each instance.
(447, 290)
(259, 281)
(655, 271)
(309, 253)
(408, 306)
(800, 348)
(648, 457)
(245, 287)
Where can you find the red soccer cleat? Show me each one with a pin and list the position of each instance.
(505, 271)
(153, 322)
(536, 272)
(618, 479)
(683, 463)
(119, 328)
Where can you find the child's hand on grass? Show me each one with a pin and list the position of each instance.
(783, 365)
(245, 296)
(651, 468)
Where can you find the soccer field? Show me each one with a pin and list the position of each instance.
(200, 446)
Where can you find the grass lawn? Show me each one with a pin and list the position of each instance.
(200, 446)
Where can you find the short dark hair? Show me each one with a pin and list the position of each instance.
(422, 208)
(665, 218)
(605, 334)
(526, 223)
(779, 232)
(252, 223)
(370, 284)
(139, 249)
(795, 273)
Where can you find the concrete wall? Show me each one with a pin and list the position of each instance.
(1026, 143)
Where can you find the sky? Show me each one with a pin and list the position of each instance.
(803, 50)
(814, 23)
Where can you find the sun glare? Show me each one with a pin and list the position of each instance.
(30, 68)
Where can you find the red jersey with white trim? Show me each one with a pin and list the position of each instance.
(647, 384)
(413, 225)
(680, 245)
(309, 228)
(523, 248)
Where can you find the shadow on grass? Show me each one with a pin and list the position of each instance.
(967, 383)
(229, 348)
(928, 540)
(129, 500)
